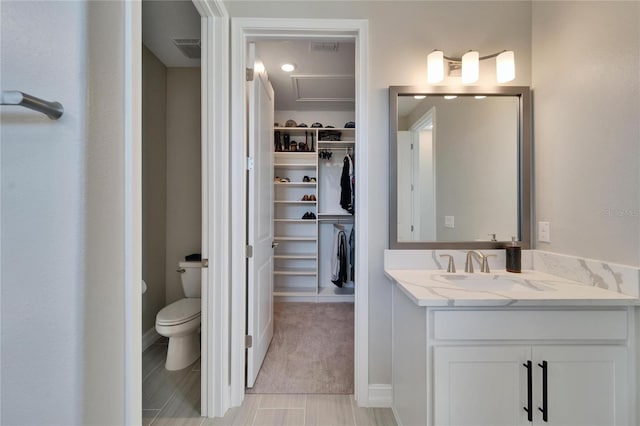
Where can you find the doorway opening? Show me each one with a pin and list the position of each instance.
(171, 210)
(309, 138)
(305, 213)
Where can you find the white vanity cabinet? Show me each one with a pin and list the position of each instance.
(484, 365)
(489, 385)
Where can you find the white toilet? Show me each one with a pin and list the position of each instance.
(180, 321)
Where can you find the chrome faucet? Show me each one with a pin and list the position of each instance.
(484, 266)
(451, 267)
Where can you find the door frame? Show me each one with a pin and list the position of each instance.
(215, 392)
(214, 24)
(244, 30)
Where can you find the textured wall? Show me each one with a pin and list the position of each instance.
(586, 67)
(184, 199)
(43, 236)
(154, 186)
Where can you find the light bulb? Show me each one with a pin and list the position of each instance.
(435, 66)
(505, 67)
(470, 67)
(287, 67)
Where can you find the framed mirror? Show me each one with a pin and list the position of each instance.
(460, 167)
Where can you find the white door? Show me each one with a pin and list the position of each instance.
(480, 386)
(586, 385)
(260, 220)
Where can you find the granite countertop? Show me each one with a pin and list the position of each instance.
(429, 287)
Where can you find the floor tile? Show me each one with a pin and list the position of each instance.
(160, 385)
(334, 410)
(154, 357)
(184, 406)
(279, 417)
(149, 416)
(372, 416)
(282, 401)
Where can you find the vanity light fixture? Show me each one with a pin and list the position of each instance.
(505, 66)
(287, 67)
(480, 96)
(419, 97)
(449, 97)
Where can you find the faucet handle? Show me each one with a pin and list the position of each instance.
(451, 267)
(485, 262)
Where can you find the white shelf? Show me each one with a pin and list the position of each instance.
(294, 166)
(311, 238)
(296, 272)
(309, 256)
(294, 202)
(295, 184)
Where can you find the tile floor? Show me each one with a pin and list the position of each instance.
(173, 398)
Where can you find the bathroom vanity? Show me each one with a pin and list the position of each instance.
(511, 349)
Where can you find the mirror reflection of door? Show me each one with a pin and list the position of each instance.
(416, 180)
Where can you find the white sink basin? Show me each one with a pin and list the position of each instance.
(490, 282)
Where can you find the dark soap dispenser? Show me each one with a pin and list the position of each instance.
(513, 256)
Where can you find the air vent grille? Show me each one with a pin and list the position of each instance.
(319, 46)
(190, 47)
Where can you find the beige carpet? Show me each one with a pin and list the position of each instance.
(311, 350)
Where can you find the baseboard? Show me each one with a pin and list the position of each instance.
(380, 395)
(149, 338)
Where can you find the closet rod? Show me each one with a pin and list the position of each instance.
(340, 227)
(53, 110)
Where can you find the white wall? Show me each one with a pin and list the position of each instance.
(400, 36)
(43, 214)
(184, 181)
(103, 317)
(586, 67)
(154, 186)
(586, 82)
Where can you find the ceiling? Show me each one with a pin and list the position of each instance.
(162, 21)
(324, 78)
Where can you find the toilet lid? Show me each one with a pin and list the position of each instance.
(179, 312)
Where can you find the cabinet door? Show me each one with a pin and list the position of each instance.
(586, 385)
(476, 385)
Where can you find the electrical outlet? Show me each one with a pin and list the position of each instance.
(449, 222)
(544, 232)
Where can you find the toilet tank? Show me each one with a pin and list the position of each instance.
(191, 278)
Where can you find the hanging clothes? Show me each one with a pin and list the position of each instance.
(346, 185)
(352, 254)
(339, 258)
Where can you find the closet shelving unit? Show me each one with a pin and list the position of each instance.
(298, 256)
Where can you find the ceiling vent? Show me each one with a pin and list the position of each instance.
(319, 46)
(190, 47)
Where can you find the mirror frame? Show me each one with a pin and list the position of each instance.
(525, 189)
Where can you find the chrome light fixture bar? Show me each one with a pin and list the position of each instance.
(505, 66)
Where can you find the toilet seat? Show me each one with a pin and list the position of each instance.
(179, 312)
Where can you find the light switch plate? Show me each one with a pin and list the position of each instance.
(449, 222)
(544, 232)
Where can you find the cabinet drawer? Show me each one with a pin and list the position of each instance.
(530, 325)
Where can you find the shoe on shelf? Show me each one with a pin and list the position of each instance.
(311, 215)
(285, 180)
(312, 179)
(306, 198)
(305, 179)
(312, 197)
(306, 215)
